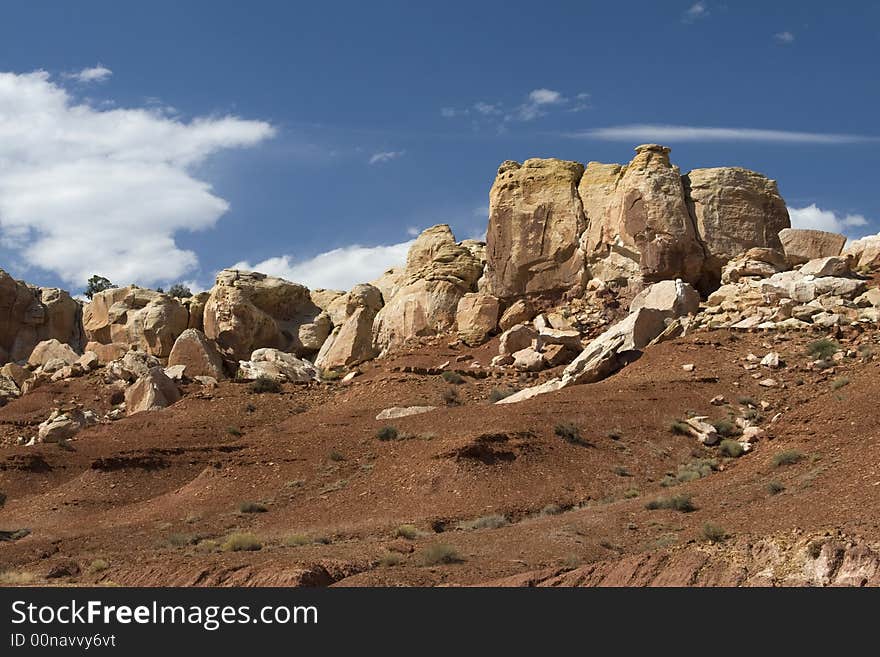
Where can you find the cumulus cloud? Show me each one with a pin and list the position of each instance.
(86, 190)
(645, 132)
(784, 38)
(97, 73)
(695, 12)
(339, 269)
(815, 218)
(385, 156)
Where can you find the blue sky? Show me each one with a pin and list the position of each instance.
(156, 142)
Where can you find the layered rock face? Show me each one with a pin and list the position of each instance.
(438, 273)
(638, 223)
(535, 219)
(734, 210)
(146, 319)
(30, 315)
(249, 310)
(352, 340)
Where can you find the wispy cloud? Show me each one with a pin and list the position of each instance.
(784, 38)
(97, 73)
(385, 156)
(695, 12)
(645, 132)
(816, 218)
(537, 103)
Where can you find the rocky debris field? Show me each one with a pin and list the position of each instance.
(642, 377)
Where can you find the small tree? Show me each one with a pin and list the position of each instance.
(180, 291)
(97, 284)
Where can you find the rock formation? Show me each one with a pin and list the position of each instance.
(249, 310)
(801, 245)
(352, 340)
(198, 355)
(30, 314)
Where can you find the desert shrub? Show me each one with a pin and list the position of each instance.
(747, 401)
(323, 540)
(837, 384)
(815, 549)
(207, 545)
(336, 456)
(331, 375)
(450, 397)
(726, 428)
(680, 428)
(551, 510)
(615, 434)
(681, 503)
(178, 539)
(409, 532)
(98, 565)
(621, 471)
(2, 499)
(452, 377)
(714, 533)
(630, 493)
(731, 448)
(497, 394)
(774, 488)
(252, 507)
(440, 553)
(15, 578)
(788, 457)
(486, 522)
(233, 431)
(570, 434)
(387, 433)
(264, 384)
(390, 560)
(241, 542)
(180, 291)
(696, 469)
(297, 540)
(823, 349)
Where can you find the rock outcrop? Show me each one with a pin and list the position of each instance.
(801, 244)
(352, 341)
(535, 220)
(865, 253)
(477, 317)
(438, 273)
(151, 392)
(278, 366)
(198, 355)
(734, 210)
(249, 310)
(146, 319)
(30, 314)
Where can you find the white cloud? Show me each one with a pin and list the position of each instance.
(413, 231)
(385, 156)
(545, 97)
(97, 73)
(695, 12)
(85, 190)
(487, 109)
(682, 133)
(339, 269)
(784, 37)
(818, 219)
(537, 103)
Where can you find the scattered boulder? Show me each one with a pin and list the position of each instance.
(108, 352)
(249, 310)
(830, 266)
(535, 220)
(674, 297)
(528, 360)
(802, 245)
(146, 319)
(516, 338)
(89, 361)
(61, 426)
(570, 339)
(151, 392)
(16, 373)
(757, 262)
(52, 350)
(198, 355)
(8, 389)
(865, 252)
(403, 411)
(278, 366)
(520, 311)
(476, 317)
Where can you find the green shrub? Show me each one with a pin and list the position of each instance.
(390, 560)
(497, 394)
(615, 434)
(486, 522)
(774, 488)
(440, 553)
(747, 401)
(551, 510)
(731, 448)
(233, 431)
(823, 349)
(788, 457)
(450, 397)
(241, 542)
(252, 507)
(727, 428)
(680, 428)
(336, 456)
(713, 533)
(409, 532)
(331, 375)
(387, 433)
(630, 493)
(452, 377)
(837, 384)
(98, 565)
(297, 540)
(696, 469)
(264, 384)
(570, 434)
(182, 540)
(621, 471)
(681, 503)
